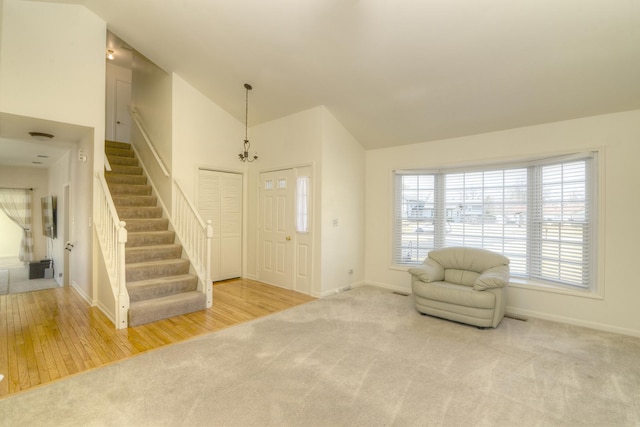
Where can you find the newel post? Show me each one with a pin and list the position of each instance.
(123, 295)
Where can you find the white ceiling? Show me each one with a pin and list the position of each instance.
(18, 148)
(392, 71)
(401, 71)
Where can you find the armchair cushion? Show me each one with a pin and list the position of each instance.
(495, 277)
(429, 271)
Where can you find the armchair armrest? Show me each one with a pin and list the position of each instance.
(429, 271)
(494, 277)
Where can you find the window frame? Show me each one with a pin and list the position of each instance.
(594, 184)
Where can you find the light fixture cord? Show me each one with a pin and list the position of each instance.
(246, 114)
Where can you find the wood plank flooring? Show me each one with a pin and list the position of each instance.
(51, 334)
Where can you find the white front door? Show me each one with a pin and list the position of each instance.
(276, 228)
(220, 200)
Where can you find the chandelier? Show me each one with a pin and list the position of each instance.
(244, 155)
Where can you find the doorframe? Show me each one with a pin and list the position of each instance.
(67, 195)
(245, 199)
(312, 224)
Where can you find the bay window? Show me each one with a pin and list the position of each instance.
(540, 214)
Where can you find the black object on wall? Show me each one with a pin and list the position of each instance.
(49, 216)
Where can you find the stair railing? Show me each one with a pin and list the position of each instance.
(152, 148)
(196, 237)
(193, 233)
(112, 236)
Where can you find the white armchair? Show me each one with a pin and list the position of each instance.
(465, 285)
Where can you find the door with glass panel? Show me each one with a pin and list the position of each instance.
(276, 228)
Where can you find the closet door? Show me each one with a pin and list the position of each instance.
(220, 200)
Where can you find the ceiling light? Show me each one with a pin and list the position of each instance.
(244, 156)
(41, 136)
(110, 54)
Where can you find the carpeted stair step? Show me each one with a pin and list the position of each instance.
(137, 254)
(128, 189)
(147, 224)
(150, 238)
(119, 200)
(116, 178)
(141, 312)
(155, 269)
(118, 145)
(160, 287)
(110, 151)
(127, 212)
(123, 161)
(158, 278)
(126, 170)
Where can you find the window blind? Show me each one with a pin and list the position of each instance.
(539, 214)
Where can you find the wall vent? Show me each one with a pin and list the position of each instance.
(402, 294)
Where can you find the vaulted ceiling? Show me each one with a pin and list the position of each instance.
(396, 71)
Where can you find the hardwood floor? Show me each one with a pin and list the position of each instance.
(51, 334)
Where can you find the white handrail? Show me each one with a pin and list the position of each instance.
(112, 236)
(136, 119)
(195, 236)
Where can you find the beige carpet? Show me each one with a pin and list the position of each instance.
(360, 358)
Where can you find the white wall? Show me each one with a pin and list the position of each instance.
(59, 174)
(53, 62)
(291, 141)
(618, 136)
(53, 68)
(151, 96)
(343, 169)
(36, 178)
(205, 135)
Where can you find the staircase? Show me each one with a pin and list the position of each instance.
(158, 278)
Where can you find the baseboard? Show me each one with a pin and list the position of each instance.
(105, 311)
(571, 321)
(339, 289)
(394, 288)
(84, 296)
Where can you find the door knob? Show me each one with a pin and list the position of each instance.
(118, 122)
(288, 238)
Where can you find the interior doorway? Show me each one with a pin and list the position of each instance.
(66, 273)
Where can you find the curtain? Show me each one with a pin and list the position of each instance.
(16, 204)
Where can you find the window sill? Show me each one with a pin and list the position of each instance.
(530, 285)
(547, 287)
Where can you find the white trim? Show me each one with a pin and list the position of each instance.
(339, 289)
(534, 285)
(83, 294)
(106, 312)
(571, 321)
(396, 288)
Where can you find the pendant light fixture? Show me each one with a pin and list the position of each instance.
(244, 156)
